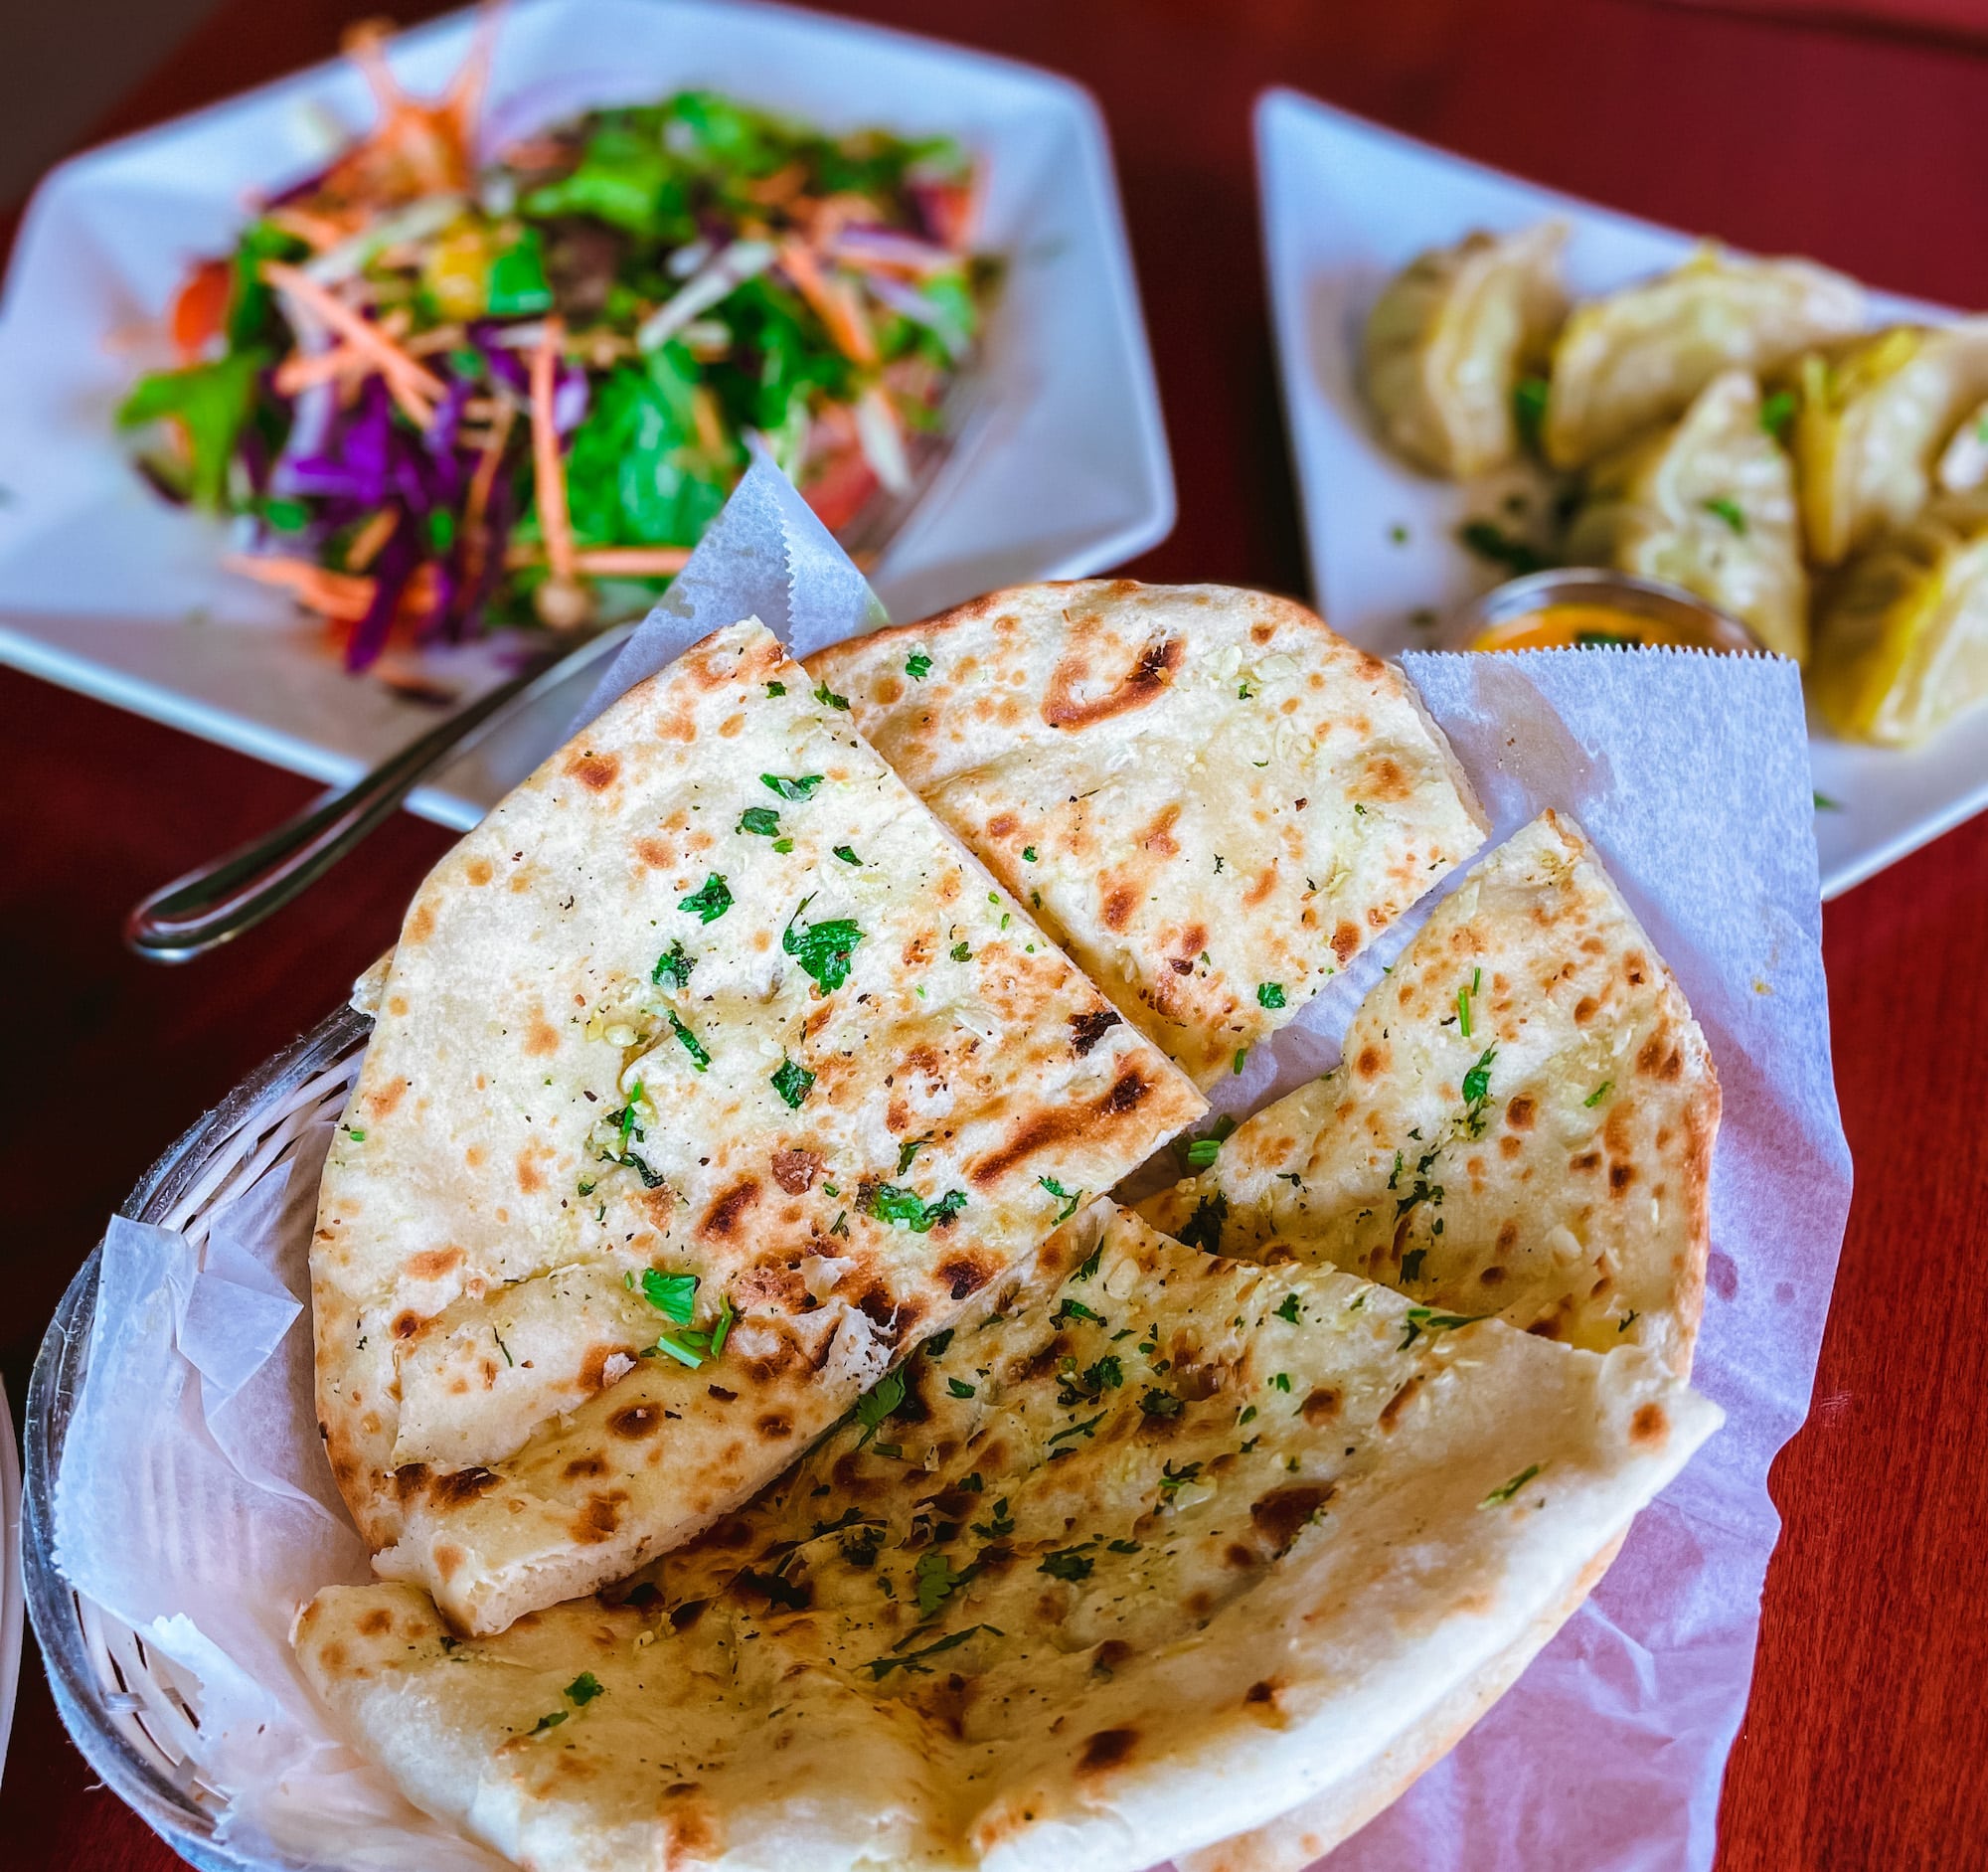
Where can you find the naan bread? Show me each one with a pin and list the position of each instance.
(1638, 357)
(1160, 1547)
(1543, 1156)
(710, 1075)
(1211, 802)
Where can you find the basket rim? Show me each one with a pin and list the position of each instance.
(60, 1364)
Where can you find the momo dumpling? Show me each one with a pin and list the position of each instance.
(1871, 421)
(1707, 504)
(1447, 341)
(1639, 356)
(1902, 638)
(1963, 463)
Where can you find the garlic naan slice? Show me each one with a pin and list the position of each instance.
(1162, 1547)
(1522, 1124)
(710, 1075)
(1707, 504)
(1638, 357)
(1209, 799)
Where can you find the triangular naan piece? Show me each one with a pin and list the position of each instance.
(1209, 799)
(710, 1076)
(1160, 1547)
(1522, 1124)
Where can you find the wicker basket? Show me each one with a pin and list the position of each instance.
(118, 1699)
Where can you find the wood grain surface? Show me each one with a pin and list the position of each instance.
(1867, 1740)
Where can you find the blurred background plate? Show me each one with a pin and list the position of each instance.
(1347, 203)
(107, 589)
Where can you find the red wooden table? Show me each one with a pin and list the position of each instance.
(1867, 1740)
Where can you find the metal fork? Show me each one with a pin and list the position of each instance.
(214, 903)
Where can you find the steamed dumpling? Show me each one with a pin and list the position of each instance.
(1709, 504)
(1963, 463)
(1901, 640)
(1871, 419)
(1447, 339)
(1639, 356)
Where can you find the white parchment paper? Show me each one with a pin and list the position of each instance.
(195, 1504)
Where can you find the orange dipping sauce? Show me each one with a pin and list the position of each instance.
(1584, 626)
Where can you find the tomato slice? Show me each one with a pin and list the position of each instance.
(837, 494)
(200, 311)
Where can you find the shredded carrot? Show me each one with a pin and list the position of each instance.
(316, 231)
(485, 473)
(547, 468)
(631, 562)
(395, 364)
(336, 593)
(463, 100)
(370, 538)
(834, 304)
(777, 189)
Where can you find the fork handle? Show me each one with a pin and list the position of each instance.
(217, 900)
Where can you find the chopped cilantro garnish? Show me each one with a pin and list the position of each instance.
(784, 846)
(1068, 1198)
(583, 1689)
(549, 1722)
(1463, 1012)
(1289, 1310)
(1157, 1400)
(711, 902)
(1823, 802)
(672, 969)
(829, 699)
(1121, 1547)
(1727, 510)
(1528, 408)
(1411, 1264)
(847, 856)
(792, 1082)
(356, 1137)
(918, 666)
(1203, 1229)
(1269, 994)
(1423, 1318)
(801, 787)
(1173, 1480)
(1236, 1065)
(1280, 1381)
(939, 1344)
(1066, 1563)
(1106, 1374)
(761, 821)
(908, 1150)
(937, 1582)
(882, 1667)
(999, 1526)
(776, 689)
(1506, 1490)
(1071, 1309)
(960, 1388)
(1029, 853)
(1489, 541)
(1477, 1082)
(1200, 1152)
(1600, 1092)
(1089, 1266)
(889, 1203)
(875, 1404)
(691, 1043)
(1627, 1320)
(823, 948)
(1088, 1428)
(962, 952)
(671, 1294)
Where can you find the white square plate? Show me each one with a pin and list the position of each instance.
(1347, 203)
(107, 589)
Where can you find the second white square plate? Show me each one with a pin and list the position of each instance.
(1346, 205)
